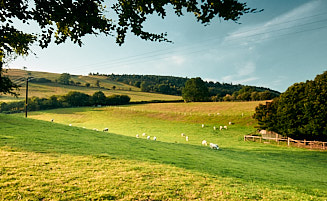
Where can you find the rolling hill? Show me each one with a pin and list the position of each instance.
(47, 89)
(44, 160)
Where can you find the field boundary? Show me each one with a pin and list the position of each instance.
(289, 141)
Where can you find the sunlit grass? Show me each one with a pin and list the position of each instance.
(117, 165)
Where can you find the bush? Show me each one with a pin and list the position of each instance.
(300, 112)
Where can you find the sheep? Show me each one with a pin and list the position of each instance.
(204, 143)
(183, 135)
(143, 134)
(225, 127)
(214, 146)
(70, 124)
(154, 138)
(214, 128)
(230, 123)
(106, 129)
(202, 125)
(148, 138)
(137, 136)
(220, 128)
(186, 138)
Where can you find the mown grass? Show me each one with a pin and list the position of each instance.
(85, 164)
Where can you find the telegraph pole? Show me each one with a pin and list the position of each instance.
(26, 98)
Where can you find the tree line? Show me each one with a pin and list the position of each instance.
(300, 112)
(72, 99)
(174, 86)
(196, 90)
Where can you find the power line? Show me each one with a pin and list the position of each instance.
(187, 47)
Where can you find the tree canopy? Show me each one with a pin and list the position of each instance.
(195, 90)
(300, 112)
(61, 20)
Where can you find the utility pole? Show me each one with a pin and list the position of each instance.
(26, 98)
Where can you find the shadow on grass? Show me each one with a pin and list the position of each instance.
(268, 165)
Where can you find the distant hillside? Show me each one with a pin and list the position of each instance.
(174, 85)
(44, 85)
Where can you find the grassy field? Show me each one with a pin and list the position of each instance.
(48, 89)
(54, 161)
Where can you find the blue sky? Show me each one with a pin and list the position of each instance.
(284, 44)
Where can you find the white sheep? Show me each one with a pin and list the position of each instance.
(106, 129)
(214, 128)
(220, 128)
(70, 124)
(148, 138)
(214, 146)
(204, 143)
(225, 127)
(143, 134)
(202, 125)
(137, 136)
(230, 123)
(186, 138)
(154, 138)
(183, 135)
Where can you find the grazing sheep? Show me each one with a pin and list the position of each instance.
(186, 138)
(106, 129)
(220, 128)
(143, 134)
(154, 138)
(204, 143)
(202, 125)
(70, 124)
(214, 146)
(183, 135)
(148, 138)
(137, 136)
(230, 123)
(225, 127)
(214, 128)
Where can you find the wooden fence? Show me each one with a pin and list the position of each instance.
(290, 142)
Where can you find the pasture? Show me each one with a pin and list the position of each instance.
(45, 90)
(52, 161)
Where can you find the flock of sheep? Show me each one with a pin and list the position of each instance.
(204, 142)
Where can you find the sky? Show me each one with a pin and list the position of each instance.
(282, 45)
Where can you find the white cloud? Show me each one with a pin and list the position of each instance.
(276, 26)
(176, 59)
(242, 74)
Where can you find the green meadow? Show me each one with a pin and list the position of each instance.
(44, 160)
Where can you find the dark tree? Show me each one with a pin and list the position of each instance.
(75, 98)
(300, 112)
(64, 78)
(195, 90)
(61, 20)
(99, 98)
